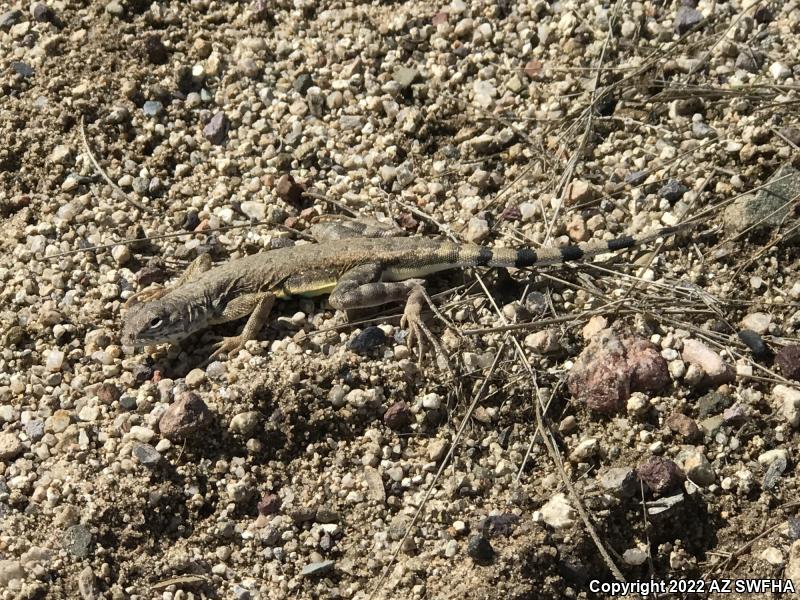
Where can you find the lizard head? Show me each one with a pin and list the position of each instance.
(152, 323)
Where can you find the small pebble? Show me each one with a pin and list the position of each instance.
(672, 191)
(146, 454)
(317, 569)
(788, 400)
(152, 108)
(216, 130)
(757, 322)
(244, 423)
(787, 359)
(368, 340)
(779, 71)
(77, 541)
(773, 556)
(620, 481)
(634, 557)
(270, 504)
(684, 426)
(183, 417)
(711, 363)
(754, 342)
(660, 474)
(479, 549)
(686, 18)
(10, 446)
(398, 416)
(558, 512)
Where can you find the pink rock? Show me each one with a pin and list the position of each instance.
(660, 474)
(649, 369)
(184, 417)
(612, 366)
(398, 416)
(439, 18)
(684, 426)
(697, 353)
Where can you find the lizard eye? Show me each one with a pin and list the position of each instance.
(155, 322)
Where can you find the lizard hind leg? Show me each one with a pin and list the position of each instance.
(417, 329)
(360, 288)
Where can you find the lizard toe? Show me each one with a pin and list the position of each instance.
(424, 338)
(228, 346)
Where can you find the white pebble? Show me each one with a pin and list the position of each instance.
(431, 401)
(779, 71)
(55, 360)
(121, 254)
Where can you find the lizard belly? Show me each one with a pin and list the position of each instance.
(308, 287)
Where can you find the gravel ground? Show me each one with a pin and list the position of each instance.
(317, 463)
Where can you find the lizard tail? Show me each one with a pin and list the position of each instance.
(528, 257)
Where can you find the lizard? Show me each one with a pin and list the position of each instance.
(355, 272)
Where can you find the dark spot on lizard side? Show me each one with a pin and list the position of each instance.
(526, 257)
(621, 243)
(571, 253)
(484, 256)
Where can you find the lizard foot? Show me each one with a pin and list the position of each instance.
(418, 331)
(228, 346)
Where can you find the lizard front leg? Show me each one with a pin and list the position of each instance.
(258, 306)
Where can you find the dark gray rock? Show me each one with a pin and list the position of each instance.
(302, 82)
(35, 429)
(479, 549)
(713, 403)
(216, 130)
(673, 190)
(155, 50)
(317, 569)
(241, 593)
(327, 515)
(146, 454)
(687, 107)
(368, 340)
(686, 18)
(636, 177)
(769, 207)
(303, 514)
(21, 68)
(77, 540)
(753, 341)
(9, 18)
(750, 60)
(774, 472)
(620, 481)
(701, 131)
(664, 508)
(503, 524)
(41, 12)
